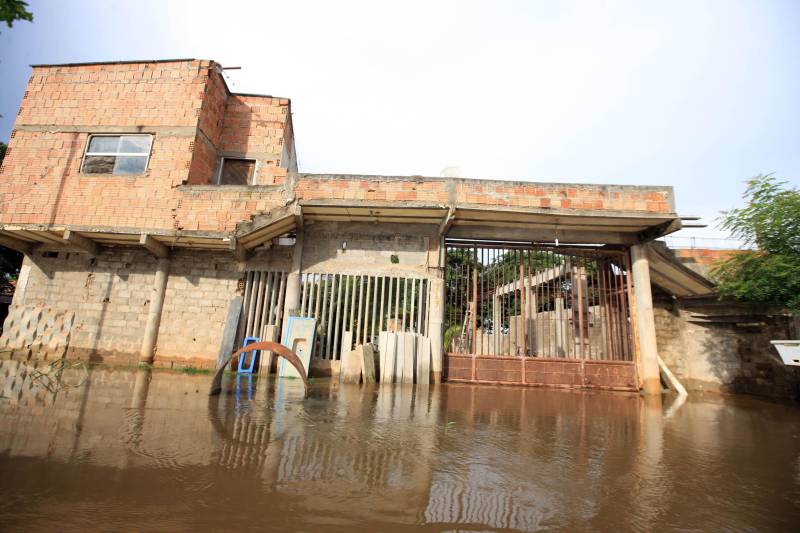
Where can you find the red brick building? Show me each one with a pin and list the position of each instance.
(148, 197)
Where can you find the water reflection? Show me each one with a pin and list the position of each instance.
(386, 457)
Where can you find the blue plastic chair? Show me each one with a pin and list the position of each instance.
(253, 357)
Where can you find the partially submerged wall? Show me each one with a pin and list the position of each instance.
(724, 347)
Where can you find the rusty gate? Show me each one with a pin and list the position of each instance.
(538, 314)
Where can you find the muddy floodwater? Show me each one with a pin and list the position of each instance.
(132, 450)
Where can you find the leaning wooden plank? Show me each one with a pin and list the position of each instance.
(382, 339)
(229, 332)
(391, 359)
(409, 349)
(424, 361)
(352, 361)
(368, 366)
(268, 333)
(399, 358)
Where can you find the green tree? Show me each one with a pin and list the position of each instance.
(768, 275)
(2, 151)
(11, 10)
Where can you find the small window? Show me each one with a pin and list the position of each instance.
(117, 154)
(236, 171)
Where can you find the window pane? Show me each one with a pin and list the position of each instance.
(103, 144)
(237, 172)
(139, 144)
(98, 164)
(133, 164)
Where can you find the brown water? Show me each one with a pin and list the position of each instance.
(114, 453)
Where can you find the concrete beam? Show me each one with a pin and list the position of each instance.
(80, 242)
(540, 235)
(447, 223)
(239, 252)
(156, 248)
(18, 245)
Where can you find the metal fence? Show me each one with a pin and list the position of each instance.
(354, 309)
(523, 299)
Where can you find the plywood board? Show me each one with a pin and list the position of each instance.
(423, 360)
(229, 332)
(368, 366)
(409, 349)
(298, 337)
(352, 361)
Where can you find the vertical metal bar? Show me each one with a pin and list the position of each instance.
(248, 289)
(627, 351)
(383, 301)
(413, 301)
(360, 311)
(273, 304)
(318, 297)
(522, 311)
(580, 271)
(474, 281)
(328, 331)
(346, 315)
(374, 310)
(366, 311)
(339, 317)
(281, 295)
(259, 302)
(397, 305)
(420, 325)
(403, 302)
(304, 280)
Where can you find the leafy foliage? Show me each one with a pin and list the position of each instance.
(2, 151)
(11, 10)
(769, 275)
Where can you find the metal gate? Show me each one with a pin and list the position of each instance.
(533, 314)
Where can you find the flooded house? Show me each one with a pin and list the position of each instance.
(164, 220)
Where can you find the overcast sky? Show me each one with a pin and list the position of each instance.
(697, 95)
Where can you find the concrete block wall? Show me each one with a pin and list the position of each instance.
(108, 295)
(720, 356)
(199, 290)
(364, 248)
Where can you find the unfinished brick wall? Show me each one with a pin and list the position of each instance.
(183, 104)
(486, 193)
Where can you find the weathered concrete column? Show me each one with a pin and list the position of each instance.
(435, 327)
(154, 315)
(291, 302)
(645, 322)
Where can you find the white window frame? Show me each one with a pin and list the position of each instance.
(86, 152)
(218, 176)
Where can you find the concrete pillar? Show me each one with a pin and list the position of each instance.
(154, 315)
(645, 322)
(291, 302)
(435, 327)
